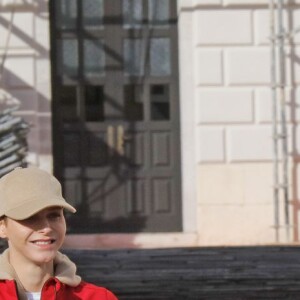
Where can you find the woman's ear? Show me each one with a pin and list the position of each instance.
(3, 229)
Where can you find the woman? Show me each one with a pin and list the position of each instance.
(33, 223)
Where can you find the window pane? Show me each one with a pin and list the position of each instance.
(68, 52)
(133, 107)
(66, 12)
(133, 56)
(94, 104)
(160, 53)
(94, 59)
(159, 12)
(68, 103)
(92, 12)
(132, 13)
(160, 102)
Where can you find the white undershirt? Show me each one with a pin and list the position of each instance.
(33, 296)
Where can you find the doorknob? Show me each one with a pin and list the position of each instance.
(120, 140)
(110, 139)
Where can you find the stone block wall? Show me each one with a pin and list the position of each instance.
(233, 118)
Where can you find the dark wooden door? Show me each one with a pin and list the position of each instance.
(116, 113)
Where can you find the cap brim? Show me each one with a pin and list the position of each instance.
(29, 209)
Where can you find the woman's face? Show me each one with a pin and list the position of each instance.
(36, 239)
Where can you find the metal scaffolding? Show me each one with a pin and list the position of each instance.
(13, 129)
(280, 137)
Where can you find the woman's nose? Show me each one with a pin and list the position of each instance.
(44, 226)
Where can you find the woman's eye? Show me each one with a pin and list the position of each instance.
(54, 216)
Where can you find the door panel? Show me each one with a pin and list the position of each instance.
(161, 149)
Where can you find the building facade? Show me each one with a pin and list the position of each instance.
(202, 163)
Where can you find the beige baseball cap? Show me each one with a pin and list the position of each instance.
(26, 191)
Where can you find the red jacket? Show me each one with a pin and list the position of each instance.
(66, 285)
(55, 290)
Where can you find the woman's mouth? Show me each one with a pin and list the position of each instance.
(43, 242)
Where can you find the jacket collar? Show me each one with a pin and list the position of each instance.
(64, 271)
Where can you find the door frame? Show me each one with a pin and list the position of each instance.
(58, 142)
(187, 102)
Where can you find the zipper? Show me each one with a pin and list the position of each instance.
(55, 290)
(16, 289)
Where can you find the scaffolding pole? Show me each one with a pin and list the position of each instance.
(274, 120)
(280, 170)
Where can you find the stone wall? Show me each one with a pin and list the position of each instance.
(230, 76)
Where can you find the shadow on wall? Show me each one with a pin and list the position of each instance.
(31, 102)
(19, 78)
(113, 191)
(40, 5)
(22, 36)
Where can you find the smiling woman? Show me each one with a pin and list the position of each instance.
(33, 223)
(36, 239)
